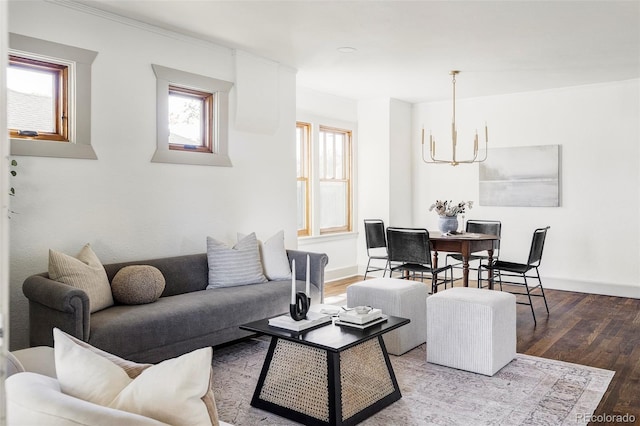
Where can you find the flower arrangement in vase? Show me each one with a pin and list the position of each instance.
(448, 214)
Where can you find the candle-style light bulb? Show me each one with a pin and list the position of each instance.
(293, 282)
(308, 287)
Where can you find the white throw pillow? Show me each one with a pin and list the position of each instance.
(233, 266)
(175, 391)
(85, 271)
(273, 255)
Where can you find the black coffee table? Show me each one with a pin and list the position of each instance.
(330, 375)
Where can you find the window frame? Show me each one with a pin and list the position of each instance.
(219, 155)
(348, 171)
(305, 176)
(315, 207)
(60, 74)
(208, 122)
(79, 63)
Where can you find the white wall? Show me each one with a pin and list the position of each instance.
(593, 244)
(373, 168)
(312, 102)
(385, 167)
(127, 207)
(400, 164)
(4, 206)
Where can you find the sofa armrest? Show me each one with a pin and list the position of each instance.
(55, 304)
(317, 264)
(38, 359)
(33, 399)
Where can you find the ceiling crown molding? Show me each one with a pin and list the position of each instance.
(81, 7)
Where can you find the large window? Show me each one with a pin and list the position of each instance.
(303, 136)
(325, 190)
(49, 98)
(334, 158)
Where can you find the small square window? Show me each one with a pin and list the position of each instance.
(49, 98)
(37, 99)
(190, 119)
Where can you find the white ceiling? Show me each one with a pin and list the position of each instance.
(405, 49)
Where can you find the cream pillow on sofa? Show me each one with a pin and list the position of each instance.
(273, 256)
(85, 271)
(175, 391)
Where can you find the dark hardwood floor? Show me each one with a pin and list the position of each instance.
(598, 331)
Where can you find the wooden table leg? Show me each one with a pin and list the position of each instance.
(465, 271)
(434, 266)
(465, 252)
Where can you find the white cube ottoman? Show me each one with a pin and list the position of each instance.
(471, 329)
(400, 298)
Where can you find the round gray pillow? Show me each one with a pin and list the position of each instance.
(137, 284)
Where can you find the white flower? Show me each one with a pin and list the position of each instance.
(448, 208)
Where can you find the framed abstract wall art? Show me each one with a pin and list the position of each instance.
(521, 177)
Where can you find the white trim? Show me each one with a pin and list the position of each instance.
(71, 4)
(316, 121)
(4, 197)
(591, 287)
(80, 7)
(79, 145)
(339, 274)
(304, 241)
(588, 287)
(220, 155)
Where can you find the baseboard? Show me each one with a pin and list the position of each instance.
(340, 273)
(592, 287)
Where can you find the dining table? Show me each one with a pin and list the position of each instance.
(464, 243)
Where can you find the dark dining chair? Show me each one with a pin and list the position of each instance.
(491, 227)
(410, 249)
(517, 272)
(376, 245)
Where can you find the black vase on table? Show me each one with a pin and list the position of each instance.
(299, 310)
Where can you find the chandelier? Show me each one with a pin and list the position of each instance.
(433, 159)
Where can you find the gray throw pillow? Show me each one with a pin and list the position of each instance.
(232, 266)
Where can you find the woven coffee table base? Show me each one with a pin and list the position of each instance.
(318, 387)
(364, 377)
(297, 379)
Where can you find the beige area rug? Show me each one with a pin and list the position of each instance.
(528, 391)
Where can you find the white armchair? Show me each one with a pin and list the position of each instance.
(34, 396)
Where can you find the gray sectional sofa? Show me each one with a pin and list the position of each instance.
(184, 318)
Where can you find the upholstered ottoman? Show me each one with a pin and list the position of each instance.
(400, 298)
(471, 329)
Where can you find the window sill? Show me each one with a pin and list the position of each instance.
(190, 157)
(340, 236)
(39, 148)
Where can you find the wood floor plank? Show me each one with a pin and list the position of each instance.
(594, 330)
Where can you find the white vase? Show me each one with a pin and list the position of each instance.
(447, 223)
